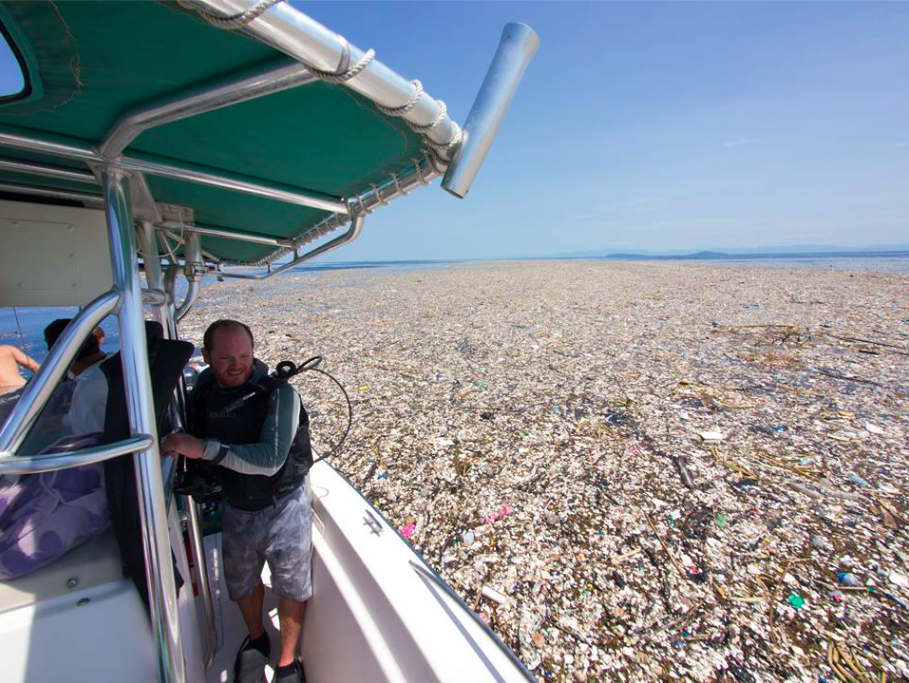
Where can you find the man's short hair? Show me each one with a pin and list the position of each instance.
(209, 336)
(53, 331)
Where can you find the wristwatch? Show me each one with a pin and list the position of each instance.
(222, 453)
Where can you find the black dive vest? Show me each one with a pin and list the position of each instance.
(218, 414)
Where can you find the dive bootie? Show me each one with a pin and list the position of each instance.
(249, 666)
(294, 675)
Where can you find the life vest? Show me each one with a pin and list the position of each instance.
(225, 415)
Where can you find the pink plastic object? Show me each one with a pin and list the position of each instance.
(407, 531)
(498, 514)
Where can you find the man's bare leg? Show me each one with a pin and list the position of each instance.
(290, 617)
(251, 608)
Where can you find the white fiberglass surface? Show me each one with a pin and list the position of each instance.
(372, 616)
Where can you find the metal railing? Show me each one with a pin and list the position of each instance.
(51, 462)
(353, 232)
(248, 86)
(93, 200)
(16, 139)
(165, 315)
(140, 407)
(38, 391)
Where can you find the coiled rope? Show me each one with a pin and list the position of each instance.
(439, 153)
(233, 21)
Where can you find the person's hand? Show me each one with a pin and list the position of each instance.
(175, 445)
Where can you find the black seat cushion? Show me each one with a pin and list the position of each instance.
(167, 358)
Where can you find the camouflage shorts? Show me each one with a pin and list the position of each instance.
(280, 535)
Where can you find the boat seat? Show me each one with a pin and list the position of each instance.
(167, 359)
(93, 563)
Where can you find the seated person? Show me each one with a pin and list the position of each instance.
(11, 359)
(43, 516)
(52, 424)
(88, 355)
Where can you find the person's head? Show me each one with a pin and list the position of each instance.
(99, 333)
(227, 347)
(53, 331)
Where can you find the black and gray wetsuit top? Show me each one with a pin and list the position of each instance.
(261, 445)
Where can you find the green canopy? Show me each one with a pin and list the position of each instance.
(88, 64)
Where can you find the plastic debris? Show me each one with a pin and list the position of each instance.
(836, 596)
(899, 579)
(712, 436)
(495, 596)
(895, 600)
(639, 360)
(848, 579)
(498, 514)
(796, 600)
(874, 429)
(720, 520)
(858, 481)
(407, 531)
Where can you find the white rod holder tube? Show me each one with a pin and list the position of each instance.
(517, 47)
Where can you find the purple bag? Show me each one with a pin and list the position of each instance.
(43, 516)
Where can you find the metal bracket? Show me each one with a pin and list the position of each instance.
(176, 213)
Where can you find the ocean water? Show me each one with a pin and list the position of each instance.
(24, 327)
(877, 262)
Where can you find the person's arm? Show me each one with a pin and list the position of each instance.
(265, 457)
(25, 361)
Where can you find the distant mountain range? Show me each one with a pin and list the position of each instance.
(789, 250)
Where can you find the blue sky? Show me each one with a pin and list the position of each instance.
(674, 125)
(652, 125)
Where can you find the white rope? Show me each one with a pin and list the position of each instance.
(233, 21)
(422, 130)
(439, 165)
(416, 165)
(344, 73)
(394, 178)
(382, 200)
(344, 76)
(403, 109)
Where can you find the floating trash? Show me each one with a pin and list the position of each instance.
(457, 377)
(848, 579)
(712, 436)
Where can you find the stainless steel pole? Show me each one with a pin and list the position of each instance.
(153, 277)
(353, 232)
(197, 548)
(517, 47)
(154, 280)
(194, 525)
(137, 385)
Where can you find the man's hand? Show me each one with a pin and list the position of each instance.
(182, 444)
